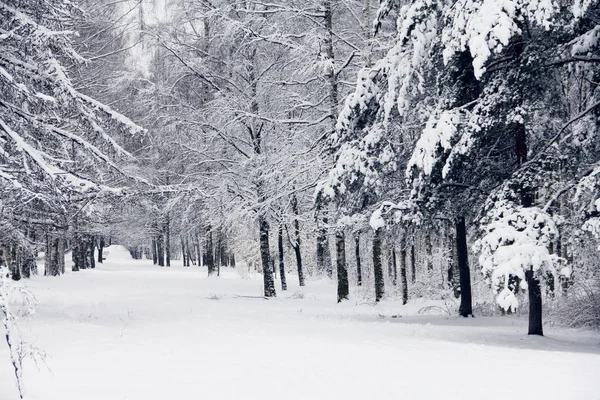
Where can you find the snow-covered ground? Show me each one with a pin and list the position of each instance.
(130, 330)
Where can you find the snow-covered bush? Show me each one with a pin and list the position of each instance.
(517, 240)
(581, 309)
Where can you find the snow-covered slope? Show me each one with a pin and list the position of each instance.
(130, 330)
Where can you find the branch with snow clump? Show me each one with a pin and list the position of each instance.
(379, 216)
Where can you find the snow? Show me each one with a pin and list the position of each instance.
(587, 42)
(130, 330)
(376, 221)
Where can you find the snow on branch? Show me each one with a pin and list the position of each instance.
(486, 27)
(120, 118)
(39, 158)
(438, 137)
(517, 240)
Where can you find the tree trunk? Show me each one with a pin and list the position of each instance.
(91, 245)
(210, 262)
(54, 258)
(403, 280)
(453, 273)
(269, 281)
(60, 254)
(394, 267)
(465, 308)
(342, 270)
(184, 256)
(168, 241)
(13, 262)
(281, 264)
(297, 240)
(77, 252)
(154, 250)
(377, 266)
(100, 249)
(429, 246)
(160, 249)
(47, 255)
(323, 254)
(34, 266)
(219, 253)
(413, 263)
(535, 304)
(223, 250)
(357, 257)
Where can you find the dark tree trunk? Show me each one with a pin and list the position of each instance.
(281, 264)
(357, 256)
(298, 255)
(183, 252)
(160, 249)
(77, 252)
(210, 262)
(168, 241)
(232, 260)
(100, 249)
(465, 308)
(13, 262)
(83, 243)
(378, 266)
(55, 256)
(296, 245)
(154, 250)
(218, 253)
(47, 255)
(403, 280)
(90, 248)
(223, 250)
(269, 281)
(535, 304)
(342, 270)
(413, 263)
(394, 267)
(520, 143)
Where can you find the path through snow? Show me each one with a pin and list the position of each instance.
(130, 330)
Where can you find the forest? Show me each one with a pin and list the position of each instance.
(439, 156)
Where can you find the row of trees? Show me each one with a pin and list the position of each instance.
(484, 115)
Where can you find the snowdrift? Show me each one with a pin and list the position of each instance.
(116, 252)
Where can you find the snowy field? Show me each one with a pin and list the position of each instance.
(130, 330)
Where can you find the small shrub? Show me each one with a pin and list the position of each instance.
(297, 295)
(581, 308)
